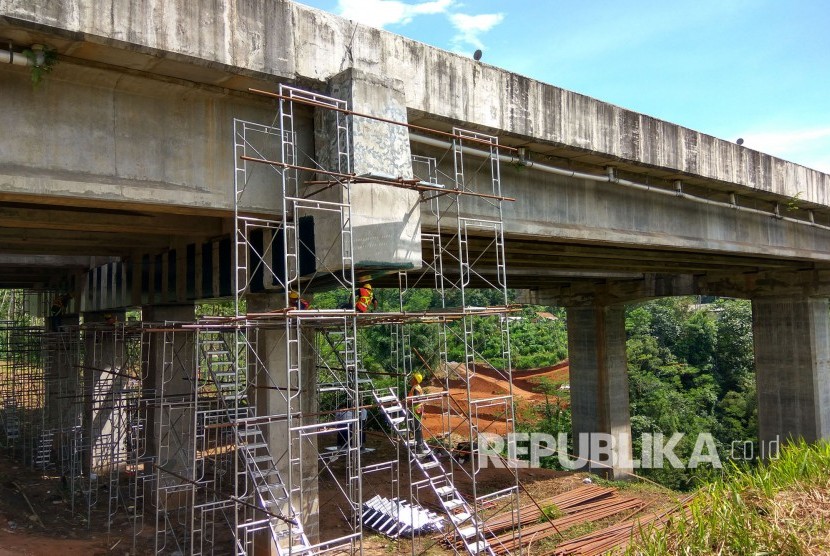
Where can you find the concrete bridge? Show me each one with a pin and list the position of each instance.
(116, 182)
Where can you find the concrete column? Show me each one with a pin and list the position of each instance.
(792, 366)
(271, 387)
(62, 375)
(105, 422)
(386, 220)
(170, 427)
(599, 387)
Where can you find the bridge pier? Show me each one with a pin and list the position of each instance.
(792, 365)
(270, 386)
(105, 416)
(61, 380)
(170, 424)
(599, 387)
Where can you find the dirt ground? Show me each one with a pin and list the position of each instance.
(51, 528)
(45, 524)
(487, 383)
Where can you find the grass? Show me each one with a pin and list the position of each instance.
(781, 507)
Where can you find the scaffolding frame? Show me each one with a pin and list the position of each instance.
(195, 414)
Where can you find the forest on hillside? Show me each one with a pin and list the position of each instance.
(690, 370)
(690, 366)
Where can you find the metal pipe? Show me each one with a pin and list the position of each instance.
(610, 177)
(16, 58)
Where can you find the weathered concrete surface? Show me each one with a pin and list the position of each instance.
(109, 130)
(61, 373)
(293, 41)
(105, 415)
(792, 363)
(567, 209)
(170, 424)
(269, 398)
(599, 386)
(386, 220)
(106, 136)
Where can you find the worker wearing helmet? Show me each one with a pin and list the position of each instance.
(297, 302)
(417, 409)
(365, 298)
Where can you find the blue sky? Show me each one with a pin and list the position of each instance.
(756, 69)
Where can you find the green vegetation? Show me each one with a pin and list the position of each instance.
(690, 371)
(535, 341)
(779, 507)
(42, 62)
(690, 364)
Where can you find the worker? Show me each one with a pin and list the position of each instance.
(417, 409)
(364, 416)
(344, 431)
(110, 319)
(365, 298)
(297, 302)
(59, 307)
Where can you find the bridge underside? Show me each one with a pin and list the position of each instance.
(118, 188)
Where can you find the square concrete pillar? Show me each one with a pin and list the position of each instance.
(599, 387)
(64, 403)
(170, 424)
(792, 367)
(105, 422)
(386, 220)
(62, 376)
(271, 386)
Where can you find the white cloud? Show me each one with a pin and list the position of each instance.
(469, 28)
(808, 146)
(380, 13)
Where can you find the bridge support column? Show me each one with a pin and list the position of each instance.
(170, 427)
(599, 388)
(271, 387)
(105, 416)
(386, 220)
(792, 366)
(61, 372)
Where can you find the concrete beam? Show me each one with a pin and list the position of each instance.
(292, 41)
(110, 221)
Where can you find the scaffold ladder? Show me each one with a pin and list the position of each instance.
(259, 468)
(460, 513)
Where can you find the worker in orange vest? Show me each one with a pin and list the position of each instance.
(365, 298)
(297, 302)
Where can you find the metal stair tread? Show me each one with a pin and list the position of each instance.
(460, 517)
(468, 531)
(444, 490)
(476, 547)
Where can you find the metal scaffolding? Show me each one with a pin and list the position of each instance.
(214, 436)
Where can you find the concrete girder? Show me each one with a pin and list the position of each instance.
(209, 45)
